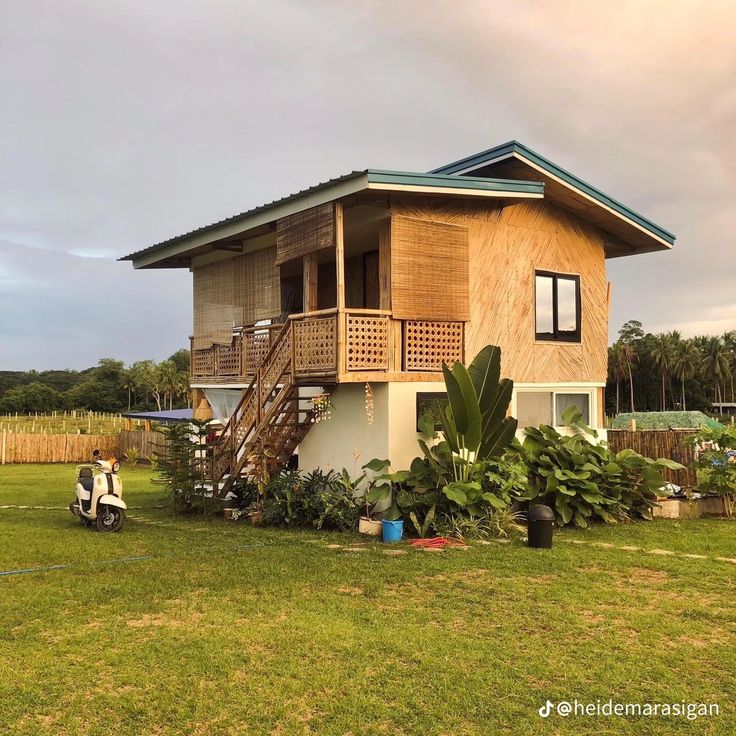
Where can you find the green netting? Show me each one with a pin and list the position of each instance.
(665, 420)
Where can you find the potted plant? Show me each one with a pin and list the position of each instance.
(373, 495)
(380, 492)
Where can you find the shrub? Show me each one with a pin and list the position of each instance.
(584, 481)
(716, 459)
(322, 500)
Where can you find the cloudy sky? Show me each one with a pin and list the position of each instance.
(125, 122)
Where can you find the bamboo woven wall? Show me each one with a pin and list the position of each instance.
(429, 269)
(76, 448)
(506, 245)
(656, 443)
(305, 232)
(235, 291)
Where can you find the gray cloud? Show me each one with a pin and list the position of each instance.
(124, 123)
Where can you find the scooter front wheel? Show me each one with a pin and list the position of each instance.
(110, 518)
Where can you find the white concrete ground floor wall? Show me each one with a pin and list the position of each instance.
(333, 444)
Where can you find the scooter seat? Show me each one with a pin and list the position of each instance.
(86, 479)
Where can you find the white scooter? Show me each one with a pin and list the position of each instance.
(99, 495)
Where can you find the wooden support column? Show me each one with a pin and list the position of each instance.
(384, 265)
(340, 255)
(310, 266)
(340, 284)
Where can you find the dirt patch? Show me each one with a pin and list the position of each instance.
(148, 621)
(646, 576)
(351, 591)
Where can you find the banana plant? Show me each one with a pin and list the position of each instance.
(474, 422)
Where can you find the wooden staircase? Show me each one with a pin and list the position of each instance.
(268, 422)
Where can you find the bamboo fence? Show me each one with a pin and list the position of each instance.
(657, 443)
(19, 447)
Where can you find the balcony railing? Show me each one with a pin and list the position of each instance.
(332, 343)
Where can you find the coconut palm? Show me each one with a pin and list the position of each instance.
(687, 360)
(628, 351)
(663, 353)
(716, 363)
(618, 365)
(729, 340)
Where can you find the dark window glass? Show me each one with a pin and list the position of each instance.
(557, 307)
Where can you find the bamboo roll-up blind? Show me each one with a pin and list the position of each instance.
(429, 270)
(238, 291)
(214, 304)
(305, 232)
(257, 286)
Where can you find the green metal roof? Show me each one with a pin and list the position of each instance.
(514, 148)
(378, 178)
(432, 179)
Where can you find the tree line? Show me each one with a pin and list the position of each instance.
(110, 386)
(665, 371)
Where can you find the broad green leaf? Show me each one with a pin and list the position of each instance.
(450, 430)
(494, 500)
(426, 425)
(376, 465)
(456, 401)
(485, 371)
(378, 494)
(473, 431)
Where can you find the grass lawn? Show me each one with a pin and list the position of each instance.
(220, 628)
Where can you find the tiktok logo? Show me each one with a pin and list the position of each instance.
(546, 709)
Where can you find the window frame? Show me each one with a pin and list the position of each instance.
(557, 334)
(594, 420)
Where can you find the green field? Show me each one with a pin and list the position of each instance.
(220, 628)
(61, 422)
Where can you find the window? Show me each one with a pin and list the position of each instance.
(557, 307)
(547, 407)
(534, 408)
(565, 401)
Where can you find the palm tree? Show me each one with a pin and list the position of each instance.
(716, 363)
(617, 362)
(128, 383)
(686, 361)
(729, 340)
(630, 357)
(662, 352)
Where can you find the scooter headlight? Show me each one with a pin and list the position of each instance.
(116, 466)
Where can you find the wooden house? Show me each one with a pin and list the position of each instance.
(362, 286)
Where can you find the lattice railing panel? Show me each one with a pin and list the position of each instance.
(256, 345)
(278, 364)
(228, 358)
(315, 345)
(429, 344)
(203, 362)
(366, 342)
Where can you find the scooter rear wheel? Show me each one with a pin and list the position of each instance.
(110, 518)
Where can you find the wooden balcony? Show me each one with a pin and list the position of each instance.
(340, 345)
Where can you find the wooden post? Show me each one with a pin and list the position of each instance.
(340, 255)
(310, 299)
(340, 284)
(5, 443)
(384, 265)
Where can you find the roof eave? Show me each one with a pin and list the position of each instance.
(370, 179)
(663, 239)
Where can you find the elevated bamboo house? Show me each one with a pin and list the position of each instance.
(378, 277)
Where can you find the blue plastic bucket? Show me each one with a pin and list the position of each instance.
(393, 530)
